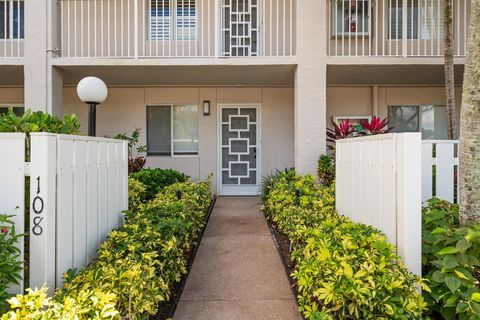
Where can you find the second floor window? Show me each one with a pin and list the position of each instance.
(350, 17)
(173, 20)
(424, 19)
(12, 19)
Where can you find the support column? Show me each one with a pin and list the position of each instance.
(43, 83)
(310, 85)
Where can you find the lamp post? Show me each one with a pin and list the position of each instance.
(92, 91)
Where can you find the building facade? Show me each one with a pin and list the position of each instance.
(233, 88)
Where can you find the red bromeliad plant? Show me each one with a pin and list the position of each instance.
(375, 126)
(341, 131)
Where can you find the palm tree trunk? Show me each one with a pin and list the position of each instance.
(449, 70)
(469, 150)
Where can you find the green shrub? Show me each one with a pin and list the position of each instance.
(38, 122)
(450, 263)
(155, 180)
(349, 271)
(139, 263)
(10, 266)
(342, 270)
(325, 170)
(136, 194)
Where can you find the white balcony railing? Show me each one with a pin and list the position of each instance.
(177, 28)
(12, 33)
(405, 28)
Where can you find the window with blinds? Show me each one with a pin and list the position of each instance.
(173, 20)
(424, 19)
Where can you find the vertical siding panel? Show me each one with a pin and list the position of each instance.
(12, 186)
(65, 223)
(92, 200)
(102, 181)
(427, 163)
(80, 203)
(445, 173)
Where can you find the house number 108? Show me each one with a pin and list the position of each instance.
(37, 206)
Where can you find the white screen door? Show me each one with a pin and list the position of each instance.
(239, 150)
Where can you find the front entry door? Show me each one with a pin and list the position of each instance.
(239, 150)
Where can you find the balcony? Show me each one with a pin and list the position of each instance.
(177, 29)
(394, 28)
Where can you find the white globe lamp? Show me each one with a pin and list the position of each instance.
(92, 91)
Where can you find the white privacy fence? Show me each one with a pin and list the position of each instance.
(440, 170)
(78, 189)
(408, 28)
(378, 182)
(177, 28)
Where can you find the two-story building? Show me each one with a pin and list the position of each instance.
(236, 88)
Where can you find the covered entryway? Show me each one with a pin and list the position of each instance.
(239, 149)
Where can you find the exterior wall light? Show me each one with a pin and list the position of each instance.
(206, 107)
(92, 91)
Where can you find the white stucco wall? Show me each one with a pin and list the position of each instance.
(125, 110)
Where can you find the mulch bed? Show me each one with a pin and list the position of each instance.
(167, 309)
(283, 247)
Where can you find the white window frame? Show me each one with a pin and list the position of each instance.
(9, 17)
(173, 18)
(335, 17)
(172, 150)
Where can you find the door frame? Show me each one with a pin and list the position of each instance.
(220, 106)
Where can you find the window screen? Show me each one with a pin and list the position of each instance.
(181, 121)
(159, 130)
(185, 129)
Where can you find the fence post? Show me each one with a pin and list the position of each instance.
(409, 200)
(12, 188)
(43, 167)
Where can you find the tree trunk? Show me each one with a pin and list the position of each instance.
(469, 150)
(449, 70)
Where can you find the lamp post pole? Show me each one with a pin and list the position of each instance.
(92, 119)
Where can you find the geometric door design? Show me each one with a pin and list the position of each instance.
(239, 145)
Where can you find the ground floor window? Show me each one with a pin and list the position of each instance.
(430, 120)
(172, 130)
(17, 110)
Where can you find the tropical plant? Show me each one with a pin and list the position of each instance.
(10, 265)
(136, 194)
(38, 122)
(135, 162)
(325, 170)
(340, 131)
(375, 126)
(469, 149)
(450, 263)
(155, 180)
(342, 270)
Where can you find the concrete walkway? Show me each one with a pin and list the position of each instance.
(237, 273)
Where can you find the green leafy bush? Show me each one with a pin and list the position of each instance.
(325, 170)
(450, 263)
(136, 194)
(10, 266)
(342, 270)
(38, 122)
(155, 180)
(137, 266)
